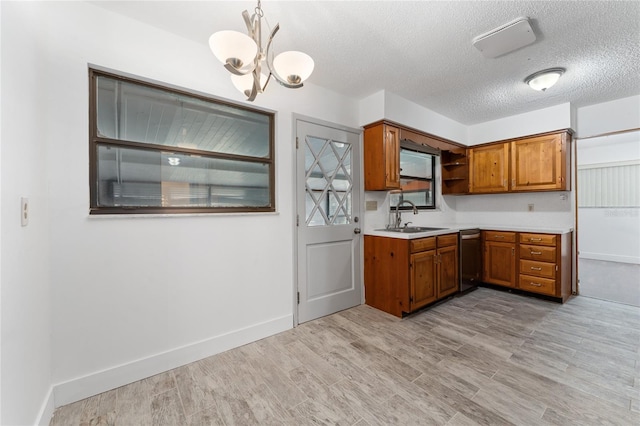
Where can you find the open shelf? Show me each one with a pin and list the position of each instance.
(455, 171)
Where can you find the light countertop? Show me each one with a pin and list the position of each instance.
(449, 228)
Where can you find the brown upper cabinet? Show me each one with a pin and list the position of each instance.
(535, 163)
(540, 163)
(382, 153)
(381, 157)
(489, 168)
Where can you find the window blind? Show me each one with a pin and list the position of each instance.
(609, 184)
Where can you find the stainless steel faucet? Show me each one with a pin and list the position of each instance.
(398, 216)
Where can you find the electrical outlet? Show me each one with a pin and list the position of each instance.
(24, 211)
(530, 207)
(371, 205)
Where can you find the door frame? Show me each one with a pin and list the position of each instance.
(294, 170)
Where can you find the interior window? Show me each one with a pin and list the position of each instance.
(155, 149)
(417, 182)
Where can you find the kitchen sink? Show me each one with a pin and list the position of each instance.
(412, 229)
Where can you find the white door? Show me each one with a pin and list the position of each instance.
(328, 219)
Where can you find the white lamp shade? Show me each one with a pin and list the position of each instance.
(295, 67)
(244, 83)
(544, 80)
(233, 45)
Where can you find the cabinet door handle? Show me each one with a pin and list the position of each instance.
(533, 268)
(535, 284)
(535, 252)
(513, 251)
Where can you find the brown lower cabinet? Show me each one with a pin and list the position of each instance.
(401, 276)
(499, 266)
(532, 262)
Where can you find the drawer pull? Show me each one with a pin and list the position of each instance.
(535, 252)
(499, 237)
(533, 268)
(535, 284)
(535, 239)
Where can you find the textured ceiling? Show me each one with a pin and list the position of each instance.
(423, 51)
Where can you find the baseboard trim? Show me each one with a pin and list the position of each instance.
(111, 378)
(46, 411)
(609, 257)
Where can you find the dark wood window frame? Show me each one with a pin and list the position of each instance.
(96, 140)
(432, 182)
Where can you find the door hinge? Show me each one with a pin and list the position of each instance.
(297, 220)
(298, 298)
(297, 143)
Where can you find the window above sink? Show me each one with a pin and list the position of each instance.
(417, 177)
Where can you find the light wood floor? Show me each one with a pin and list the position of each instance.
(488, 357)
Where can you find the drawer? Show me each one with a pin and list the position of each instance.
(538, 239)
(507, 237)
(537, 285)
(540, 253)
(447, 240)
(423, 244)
(538, 269)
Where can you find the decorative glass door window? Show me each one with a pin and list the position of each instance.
(328, 182)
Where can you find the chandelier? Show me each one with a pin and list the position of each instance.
(244, 57)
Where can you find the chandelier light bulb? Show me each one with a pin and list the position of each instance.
(244, 83)
(542, 80)
(233, 47)
(295, 67)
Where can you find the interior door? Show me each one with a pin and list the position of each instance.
(328, 219)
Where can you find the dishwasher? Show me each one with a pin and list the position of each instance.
(470, 260)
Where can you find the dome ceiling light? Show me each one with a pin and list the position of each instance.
(243, 56)
(542, 80)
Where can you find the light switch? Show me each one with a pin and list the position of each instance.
(24, 211)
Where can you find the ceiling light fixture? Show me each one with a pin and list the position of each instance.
(243, 56)
(544, 79)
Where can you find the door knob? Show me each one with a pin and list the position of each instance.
(356, 230)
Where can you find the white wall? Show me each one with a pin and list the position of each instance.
(386, 105)
(609, 239)
(596, 241)
(25, 275)
(0, 217)
(445, 212)
(611, 234)
(130, 296)
(550, 208)
(543, 120)
(614, 116)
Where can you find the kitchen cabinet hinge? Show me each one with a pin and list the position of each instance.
(298, 298)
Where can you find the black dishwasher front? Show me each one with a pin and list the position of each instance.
(470, 259)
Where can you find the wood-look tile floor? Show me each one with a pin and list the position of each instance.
(489, 358)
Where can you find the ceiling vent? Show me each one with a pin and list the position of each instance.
(506, 38)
